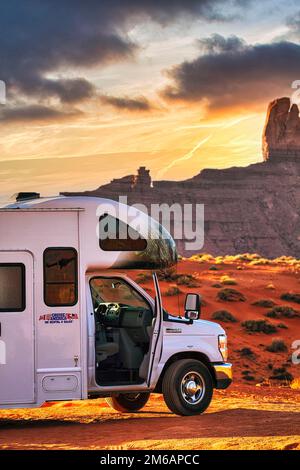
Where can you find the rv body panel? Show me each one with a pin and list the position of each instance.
(57, 370)
(17, 359)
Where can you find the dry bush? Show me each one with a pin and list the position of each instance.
(282, 311)
(264, 303)
(228, 281)
(277, 345)
(173, 290)
(224, 315)
(231, 295)
(247, 352)
(291, 297)
(259, 326)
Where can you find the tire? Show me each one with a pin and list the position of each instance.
(128, 402)
(187, 387)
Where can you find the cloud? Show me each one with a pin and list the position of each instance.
(33, 113)
(42, 38)
(139, 103)
(232, 73)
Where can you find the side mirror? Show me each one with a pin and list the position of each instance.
(192, 307)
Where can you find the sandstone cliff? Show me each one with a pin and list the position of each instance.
(281, 136)
(249, 209)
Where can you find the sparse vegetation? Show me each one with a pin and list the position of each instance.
(259, 326)
(287, 376)
(291, 297)
(143, 278)
(264, 303)
(247, 258)
(181, 279)
(231, 295)
(171, 276)
(173, 290)
(246, 352)
(277, 345)
(213, 268)
(224, 315)
(228, 281)
(187, 280)
(282, 312)
(216, 286)
(282, 326)
(248, 377)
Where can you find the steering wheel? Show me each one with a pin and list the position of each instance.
(105, 310)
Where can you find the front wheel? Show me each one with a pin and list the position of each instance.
(187, 387)
(128, 402)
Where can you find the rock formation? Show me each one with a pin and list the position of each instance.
(281, 136)
(247, 209)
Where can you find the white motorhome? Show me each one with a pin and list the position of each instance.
(74, 325)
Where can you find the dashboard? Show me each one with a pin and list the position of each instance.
(117, 315)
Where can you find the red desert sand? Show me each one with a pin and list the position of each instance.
(261, 410)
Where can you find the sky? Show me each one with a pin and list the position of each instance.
(96, 89)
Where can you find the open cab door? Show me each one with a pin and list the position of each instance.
(156, 342)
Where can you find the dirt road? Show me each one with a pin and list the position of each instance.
(244, 417)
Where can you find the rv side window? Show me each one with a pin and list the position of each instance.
(12, 287)
(60, 277)
(116, 235)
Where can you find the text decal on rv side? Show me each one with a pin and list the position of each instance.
(59, 317)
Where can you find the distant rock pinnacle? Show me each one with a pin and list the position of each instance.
(281, 136)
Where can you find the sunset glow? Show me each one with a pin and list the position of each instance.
(187, 88)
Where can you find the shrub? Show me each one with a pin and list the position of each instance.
(143, 277)
(224, 315)
(246, 352)
(279, 370)
(231, 295)
(187, 280)
(282, 326)
(228, 281)
(277, 345)
(282, 311)
(250, 378)
(181, 279)
(259, 326)
(265, 303)
(217, 286)
(213, 268)
(285, 376)
(173, 290)
(290, 297)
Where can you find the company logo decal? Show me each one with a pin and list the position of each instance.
(59, 317)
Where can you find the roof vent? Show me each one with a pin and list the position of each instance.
(27, 196)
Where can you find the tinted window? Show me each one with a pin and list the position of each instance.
(12, 287)
(115, 235)
(60, 277)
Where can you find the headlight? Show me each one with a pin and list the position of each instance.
(223, 347)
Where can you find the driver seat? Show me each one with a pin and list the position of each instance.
(104, 348)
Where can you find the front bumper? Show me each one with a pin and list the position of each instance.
(223, 374)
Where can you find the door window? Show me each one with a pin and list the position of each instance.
(12, 287)
(60, 277)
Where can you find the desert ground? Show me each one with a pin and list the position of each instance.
(261, 410)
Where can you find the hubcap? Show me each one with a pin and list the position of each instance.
(192, 388)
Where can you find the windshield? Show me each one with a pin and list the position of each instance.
(116, 290)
